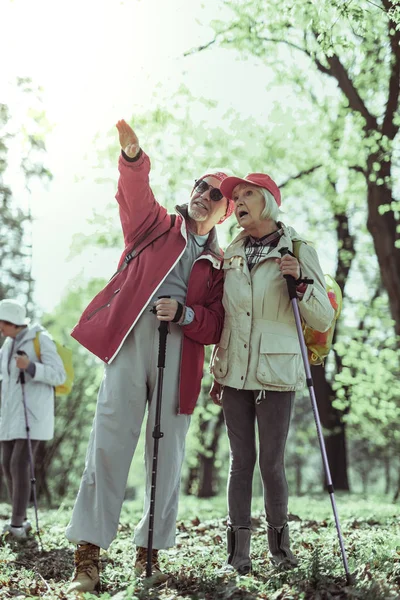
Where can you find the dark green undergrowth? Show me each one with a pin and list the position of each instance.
(370, 527)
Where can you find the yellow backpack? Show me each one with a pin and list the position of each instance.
(319, 343)
(66, 356)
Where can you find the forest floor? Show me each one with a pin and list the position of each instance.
(371, 530)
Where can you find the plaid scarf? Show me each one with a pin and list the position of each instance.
(258, 248)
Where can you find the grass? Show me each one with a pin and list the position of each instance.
(370, 527)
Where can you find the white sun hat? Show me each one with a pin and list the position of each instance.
(13, 312)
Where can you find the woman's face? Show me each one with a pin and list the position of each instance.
(7, 329)
(249, 204)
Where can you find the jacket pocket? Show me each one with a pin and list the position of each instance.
(220, 364)
(279, 362)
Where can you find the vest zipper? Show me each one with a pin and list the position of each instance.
(104, 305)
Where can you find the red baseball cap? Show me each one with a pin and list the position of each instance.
(259, 179)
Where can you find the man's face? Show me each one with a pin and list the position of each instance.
(202, 207)
(7, 329)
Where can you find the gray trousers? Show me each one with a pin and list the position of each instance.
(272, 415)
(16, 469)
(127, 398)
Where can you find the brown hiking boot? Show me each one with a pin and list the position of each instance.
(141, 562)
(87, 569)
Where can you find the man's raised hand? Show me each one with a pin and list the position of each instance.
(128, 139)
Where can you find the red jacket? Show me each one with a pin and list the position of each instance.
(111, 315)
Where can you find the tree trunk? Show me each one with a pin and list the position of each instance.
(383, 231)
(331, 420)
(42, 487)
(397, 492)
(388, 482)
(206, 477)
(192, 479)
(207, 471)
(365, 479)
(299, 474)
(382, 227)
(3, 487)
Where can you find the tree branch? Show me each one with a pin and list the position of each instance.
(377, 293)
(376, 5)
(346, 243)
(336, 70)
(291, 44)
(339, 72)
(200, 48)
(299, 175)
(358, 169)
(205, 46)
(388, 127)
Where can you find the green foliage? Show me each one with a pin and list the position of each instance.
(61, 466)
(206, 452)
(340, 59)
(367, 386)
(330, 142)
(22, 132)
(370, 529)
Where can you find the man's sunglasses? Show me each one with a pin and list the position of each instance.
(202, 186)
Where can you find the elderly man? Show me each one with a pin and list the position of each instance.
(165, 255)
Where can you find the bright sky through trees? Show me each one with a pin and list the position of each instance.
(98, 62)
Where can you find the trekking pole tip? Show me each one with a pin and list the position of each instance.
(351, 579)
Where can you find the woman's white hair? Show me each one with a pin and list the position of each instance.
(271, 209)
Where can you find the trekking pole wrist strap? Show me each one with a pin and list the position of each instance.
(178, 314)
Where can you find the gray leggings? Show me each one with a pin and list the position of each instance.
(16, 468)
(272, 413)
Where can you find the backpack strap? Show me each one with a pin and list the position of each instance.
(36, 344)
(296, 247)
(296, 254)
(132, 253)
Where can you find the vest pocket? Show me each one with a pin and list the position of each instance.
(279, 360)
(220, 364)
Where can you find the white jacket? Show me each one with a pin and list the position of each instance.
(39, 390)
(259, 347)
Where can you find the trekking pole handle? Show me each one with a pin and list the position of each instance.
(290, 280)
(21, 371)
(163, 329)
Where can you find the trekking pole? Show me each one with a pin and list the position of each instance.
(291, 285)
(28, 437)
(157, 434)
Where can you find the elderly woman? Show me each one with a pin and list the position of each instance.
(257, 364)
(42, 374)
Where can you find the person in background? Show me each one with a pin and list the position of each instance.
(178, 257)
(41, 376)
(257, 363)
